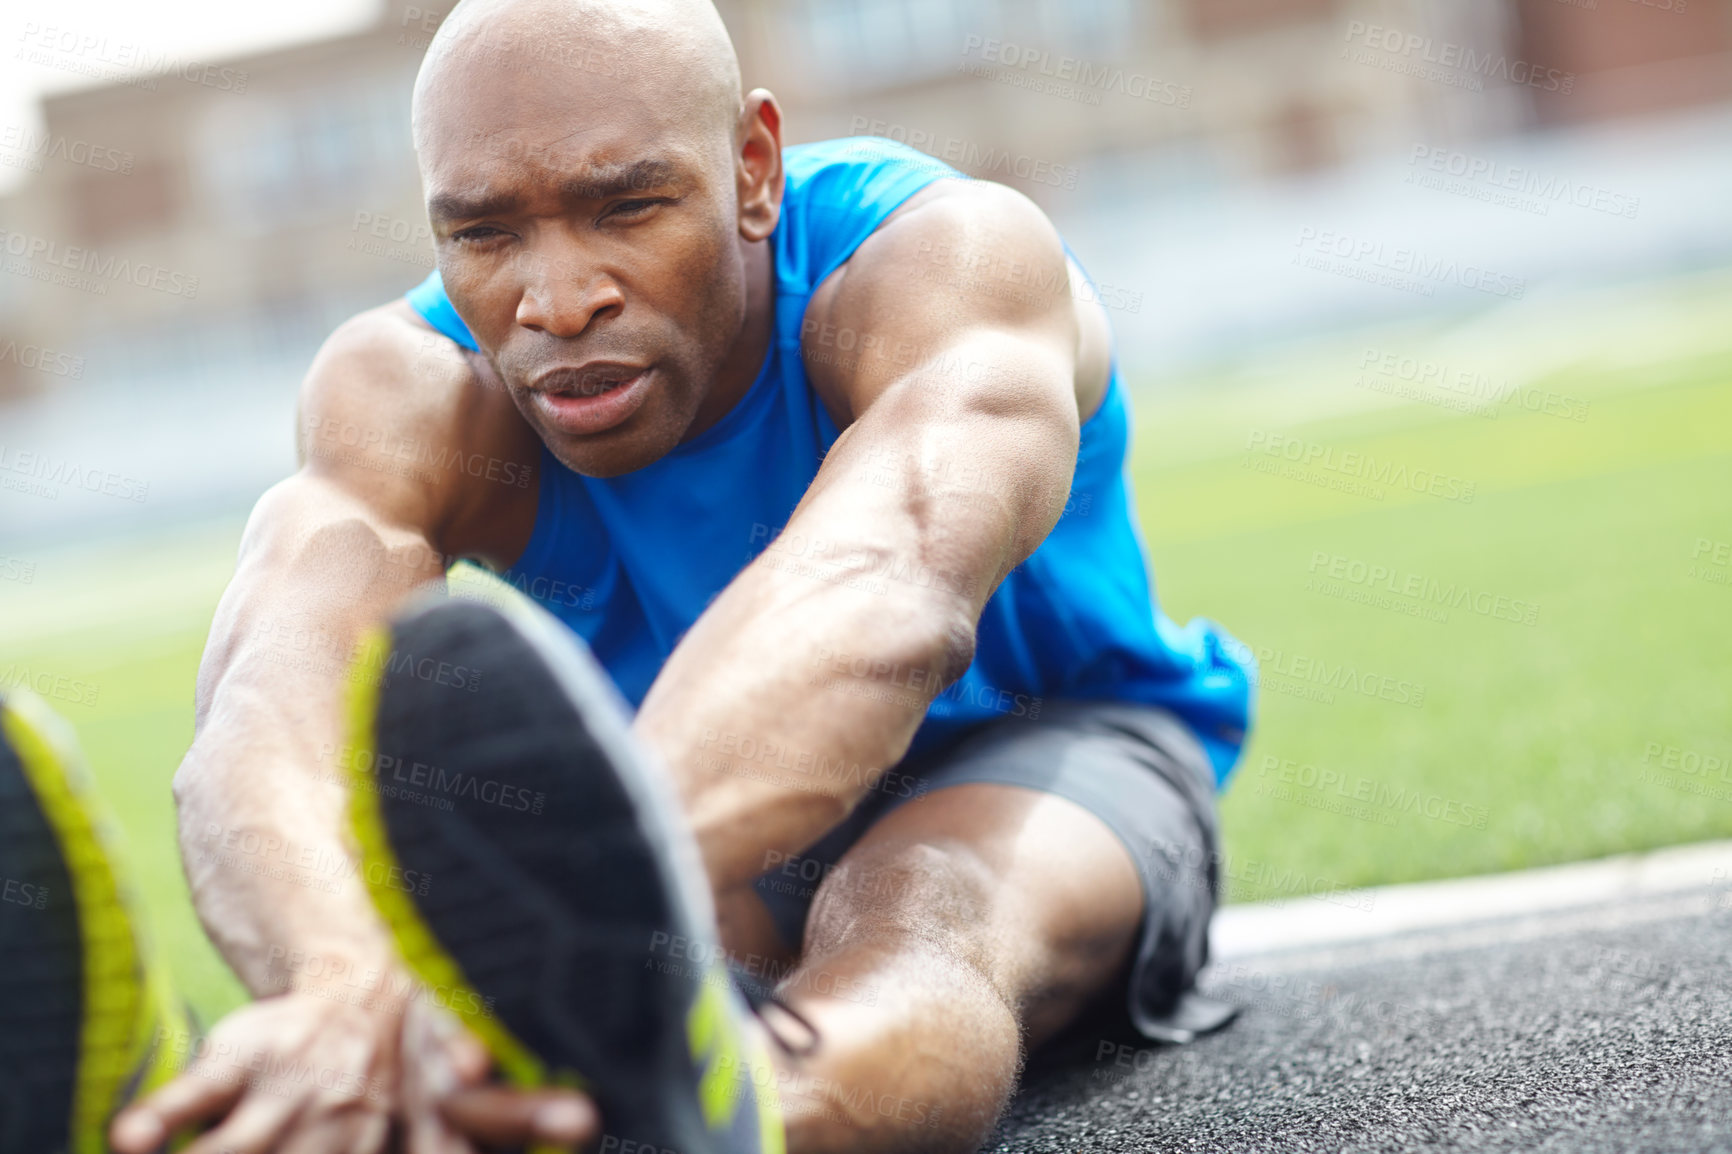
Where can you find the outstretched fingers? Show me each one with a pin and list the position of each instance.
(500, 1116)
(195, 1098)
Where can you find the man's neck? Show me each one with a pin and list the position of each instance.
(745, 360)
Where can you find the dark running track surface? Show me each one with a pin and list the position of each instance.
(1606, 1030)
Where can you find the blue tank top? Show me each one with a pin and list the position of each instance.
(629, 562)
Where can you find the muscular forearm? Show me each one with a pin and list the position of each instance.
(271, 878)
(809, 675)
(811, 672)
(780, 708)
(261, 794)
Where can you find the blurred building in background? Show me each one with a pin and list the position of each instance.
(178, 225)
(210, 220)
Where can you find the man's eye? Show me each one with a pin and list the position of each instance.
(483, 232)
(635, 207)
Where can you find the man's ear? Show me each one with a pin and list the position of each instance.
(759, 165)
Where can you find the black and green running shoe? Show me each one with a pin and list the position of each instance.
(88, 1020)
(538, 877)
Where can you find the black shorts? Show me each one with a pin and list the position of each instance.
(1137, 768)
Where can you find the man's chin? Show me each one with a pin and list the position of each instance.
(617, 451)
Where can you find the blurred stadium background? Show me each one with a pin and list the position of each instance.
(1426, 305)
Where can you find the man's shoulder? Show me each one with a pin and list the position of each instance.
(831, 183)
(390, 404)
(837, 193)
(394, 340)
(387, 368)
(848, 190)
(965, 240)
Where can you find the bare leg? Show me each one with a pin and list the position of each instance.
(963, 926)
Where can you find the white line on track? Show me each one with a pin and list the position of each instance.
(1407, 920)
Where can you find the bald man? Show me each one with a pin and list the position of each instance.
(845, 693)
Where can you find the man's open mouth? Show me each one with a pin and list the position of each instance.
(588, 380)
(590, 398)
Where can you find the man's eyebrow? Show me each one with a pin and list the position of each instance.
(603, 181)
(456, 206)
(598, 182)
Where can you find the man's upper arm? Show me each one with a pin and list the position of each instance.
(409, 426)
(960, 396)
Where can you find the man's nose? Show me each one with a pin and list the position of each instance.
(562, 295)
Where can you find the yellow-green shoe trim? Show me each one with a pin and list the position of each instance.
(129, 999)
(718, 1043)
(421, 951)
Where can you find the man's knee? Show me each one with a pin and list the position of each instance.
(922, 910)
(938, 892)
(926, 877)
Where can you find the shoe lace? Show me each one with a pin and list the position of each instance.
(758, 998)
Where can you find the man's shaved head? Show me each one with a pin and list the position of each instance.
(676, 50)
(597, 186)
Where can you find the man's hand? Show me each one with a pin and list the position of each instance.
(447, 1102)
(295, 1074)
(299, 1074)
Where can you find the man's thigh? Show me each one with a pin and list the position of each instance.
(1087, 792)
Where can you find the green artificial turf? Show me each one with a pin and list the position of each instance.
(1393, 746)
